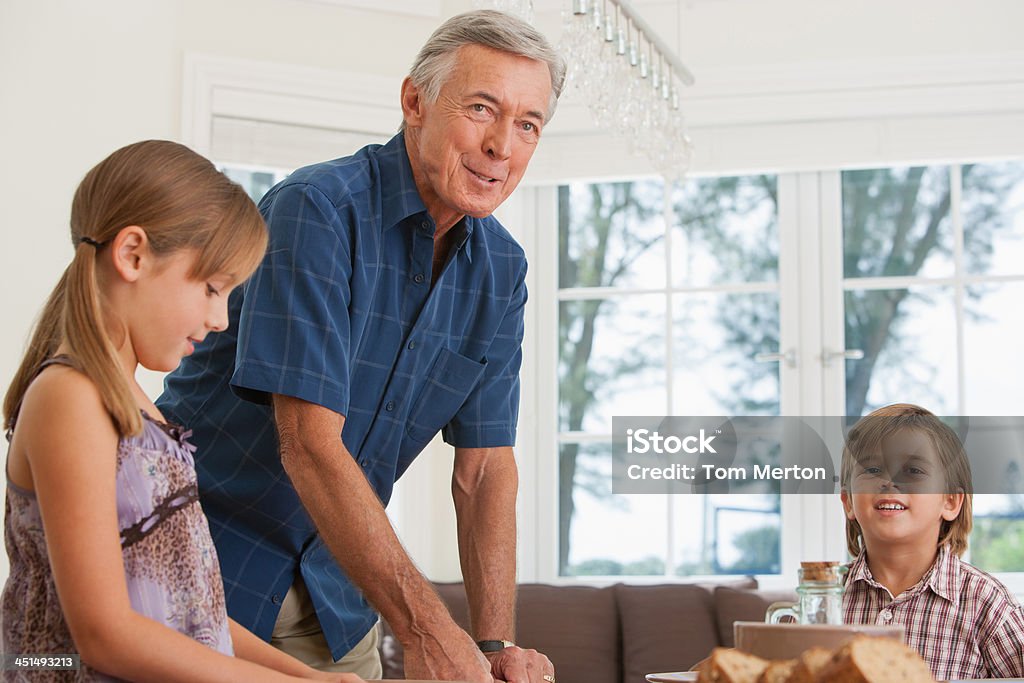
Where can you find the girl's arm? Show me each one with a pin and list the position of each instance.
(71, 447)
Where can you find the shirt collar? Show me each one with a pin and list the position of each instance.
(463, 242)
(399, 197)
(859, 570)
(944, 578)
(401, 200)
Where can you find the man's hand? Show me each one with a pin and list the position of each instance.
(453, 657)
(516, 665)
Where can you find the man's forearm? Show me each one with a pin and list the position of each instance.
(354, 526)
(484, 487)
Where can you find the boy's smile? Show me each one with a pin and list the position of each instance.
(890, 506)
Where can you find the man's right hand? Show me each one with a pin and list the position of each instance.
(449, 656)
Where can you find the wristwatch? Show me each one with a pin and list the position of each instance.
(493, 645)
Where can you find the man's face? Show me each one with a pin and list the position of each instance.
(470, 148)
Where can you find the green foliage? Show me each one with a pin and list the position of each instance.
(648, 566)
(760, 552)
(896, 222)
(997, 544)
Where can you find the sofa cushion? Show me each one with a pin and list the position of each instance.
(732, 604)
(577, 627)
(667, 627)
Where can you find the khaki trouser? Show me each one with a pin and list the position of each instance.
(298, 633)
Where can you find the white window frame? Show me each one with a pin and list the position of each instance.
(811, 289)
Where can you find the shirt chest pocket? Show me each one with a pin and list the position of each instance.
(448, 383)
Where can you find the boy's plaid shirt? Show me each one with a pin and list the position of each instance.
(964, 622)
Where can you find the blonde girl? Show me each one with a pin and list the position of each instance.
(110, 553)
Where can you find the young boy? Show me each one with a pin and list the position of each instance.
(906, 490)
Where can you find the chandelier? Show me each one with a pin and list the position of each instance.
(629, 79)
(520, 8)
(627, 76)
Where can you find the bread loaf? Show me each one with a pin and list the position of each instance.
(778, 671)
(726, 665)
(810, 664)
(861, 660)
(876, 660)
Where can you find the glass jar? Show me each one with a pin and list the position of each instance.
(819, 596)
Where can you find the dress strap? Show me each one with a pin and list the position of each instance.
(60, 359)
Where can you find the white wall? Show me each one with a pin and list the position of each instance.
(78, 79)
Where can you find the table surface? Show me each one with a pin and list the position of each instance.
(680, 676)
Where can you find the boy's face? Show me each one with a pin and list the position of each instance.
(899, 494)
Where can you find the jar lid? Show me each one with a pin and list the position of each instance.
(818, 571)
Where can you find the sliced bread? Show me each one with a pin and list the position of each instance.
(876, 660)
(726, 665)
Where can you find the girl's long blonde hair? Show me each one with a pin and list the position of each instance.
(182, 202)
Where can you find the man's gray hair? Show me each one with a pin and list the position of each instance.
(489, 28)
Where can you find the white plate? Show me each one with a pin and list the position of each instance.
(672, 677)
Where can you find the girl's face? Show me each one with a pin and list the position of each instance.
(170, 313)
(900, 496)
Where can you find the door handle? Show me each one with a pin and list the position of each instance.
(789, 358)
(848, 354)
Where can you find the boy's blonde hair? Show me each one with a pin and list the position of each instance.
(867, 435)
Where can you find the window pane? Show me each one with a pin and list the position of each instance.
(726, 231)
(611, 235)
(896, 222)
(727, 534)
(993, 218)
(608, 534)
(611, 360)
(716, 339)
(997, 540)
(256, 182)
(993, 331)
(908, 337)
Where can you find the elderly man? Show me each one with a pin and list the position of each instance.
(389, 307)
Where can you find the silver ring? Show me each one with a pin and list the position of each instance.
(549, 678)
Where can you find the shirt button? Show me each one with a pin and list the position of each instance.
(886, 615)
(412, 345)
(276, 599)
(390, 406)
(425, 225)
(418, 278)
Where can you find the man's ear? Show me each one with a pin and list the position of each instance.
(844, 496)
(129, 252)
(412, 104)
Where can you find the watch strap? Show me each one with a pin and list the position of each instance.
(493, 645)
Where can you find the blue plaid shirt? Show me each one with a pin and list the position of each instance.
(341, 313)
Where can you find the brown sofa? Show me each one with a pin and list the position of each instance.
(615, 634)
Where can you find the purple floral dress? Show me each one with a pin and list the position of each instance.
(169, 559)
